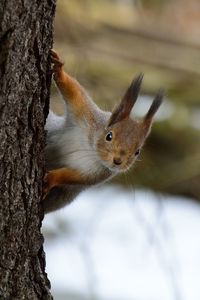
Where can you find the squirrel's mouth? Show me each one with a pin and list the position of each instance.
(124, 166)
(111, 167)
(114, 163)
(118, 168)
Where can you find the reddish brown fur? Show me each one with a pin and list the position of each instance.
(128, 135)
(62, 176)
(69, 87)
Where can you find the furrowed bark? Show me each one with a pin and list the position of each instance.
(25, 41)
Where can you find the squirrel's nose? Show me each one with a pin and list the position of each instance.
(117, 161)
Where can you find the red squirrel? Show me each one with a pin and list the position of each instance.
(87, 145)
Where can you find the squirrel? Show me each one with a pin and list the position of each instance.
(87, 145)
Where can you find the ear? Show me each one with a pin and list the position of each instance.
(154, 106)
(124, 108)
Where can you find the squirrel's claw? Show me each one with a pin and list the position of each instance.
(54, 54)
(47, 184)
(55, 59)
(57, 63)
(45, 188)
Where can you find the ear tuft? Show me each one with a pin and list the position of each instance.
(132, 92)
(124, 108)
(155, 105)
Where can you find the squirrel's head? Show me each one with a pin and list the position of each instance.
(121, 141)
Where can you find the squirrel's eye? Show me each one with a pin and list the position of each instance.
(137, 152)
(109, 136)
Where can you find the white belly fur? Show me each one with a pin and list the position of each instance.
(78, 154)
(75, 150)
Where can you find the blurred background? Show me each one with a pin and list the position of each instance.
(136, 239)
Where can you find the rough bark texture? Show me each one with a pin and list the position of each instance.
(25, 40)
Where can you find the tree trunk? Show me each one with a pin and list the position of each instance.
(25, 41)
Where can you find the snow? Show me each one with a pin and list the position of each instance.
(116, 244)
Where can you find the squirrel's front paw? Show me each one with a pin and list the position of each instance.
(57, 64)
(48, 183)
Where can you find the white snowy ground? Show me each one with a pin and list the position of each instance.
(116, 244)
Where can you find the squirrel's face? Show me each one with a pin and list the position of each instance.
(120, 143)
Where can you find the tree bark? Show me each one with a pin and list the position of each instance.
(25, 41)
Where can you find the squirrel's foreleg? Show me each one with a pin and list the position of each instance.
(72, 92)
(62, 176)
